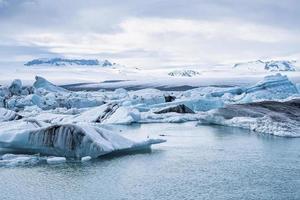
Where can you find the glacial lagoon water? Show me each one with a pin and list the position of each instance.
(197, 162)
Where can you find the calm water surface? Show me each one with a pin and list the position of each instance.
(201, 162)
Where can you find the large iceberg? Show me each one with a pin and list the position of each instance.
(46, 96)
(66, 140)
(272, 117)
(271, 88)
(41, 83)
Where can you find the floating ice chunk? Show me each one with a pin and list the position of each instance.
(80, 102)
(150, 117)
(4, 92)
(97, 114)
(110, 113)
(86, 158)
(123, 115)
(272, 87)
(48, 96)
(181, 108)
(275, 118)
(67, 140)
(12, 160)
(212, 92)
(197, 104)
(16, 87)
(56, 160)
(40, 82)
(121, 93)
(147, 96)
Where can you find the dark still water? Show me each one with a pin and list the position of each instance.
(201, 162)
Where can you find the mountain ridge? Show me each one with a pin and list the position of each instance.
(68, 62)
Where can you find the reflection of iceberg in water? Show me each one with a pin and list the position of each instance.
(68, 140)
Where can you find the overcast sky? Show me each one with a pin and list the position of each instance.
(150, 33)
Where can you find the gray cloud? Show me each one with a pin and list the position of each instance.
(82, 18)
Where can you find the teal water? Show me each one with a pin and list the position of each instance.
(201, 162)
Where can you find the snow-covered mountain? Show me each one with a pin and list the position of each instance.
(273, 65)
(184, 73)
(280, 66)
(67, 62)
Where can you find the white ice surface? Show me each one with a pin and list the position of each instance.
(56, 160)
(66, 140)
(63, 123)
(216, 75)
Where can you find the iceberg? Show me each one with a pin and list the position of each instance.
(56, 160)
(48, 96)
(270, 88)
(66, 140)
(110, 113)
(8, 115)
(195, 104)
(147, 97)
(271, 117)
(62, 123)
(97, 114)
(16, 87)
(41, 82)
(86, 158)
(181, 108)
(124, 115)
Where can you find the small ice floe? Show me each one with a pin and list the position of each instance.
(56, 160)
(13, 160)
(86, 158)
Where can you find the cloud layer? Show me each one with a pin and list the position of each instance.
(150, 33)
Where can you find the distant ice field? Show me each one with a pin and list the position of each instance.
(97, 77)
